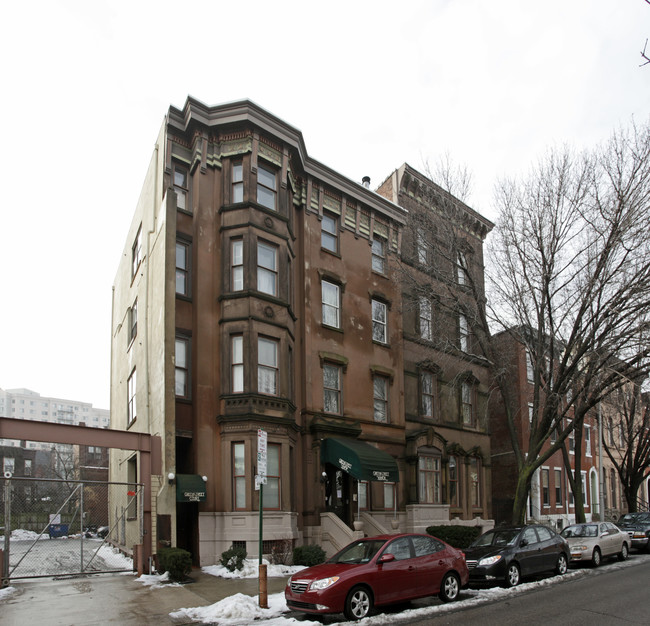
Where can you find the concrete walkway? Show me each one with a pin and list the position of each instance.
(117, 598)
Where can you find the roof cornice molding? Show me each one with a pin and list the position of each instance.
(197, 113)
(422, 180)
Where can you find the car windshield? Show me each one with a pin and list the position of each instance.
(359, 552)
(497, 538)
(580, 530)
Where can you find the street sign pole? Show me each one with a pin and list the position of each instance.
(261, 479)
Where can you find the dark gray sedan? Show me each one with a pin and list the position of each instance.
(507, 554)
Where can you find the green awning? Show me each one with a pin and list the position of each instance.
(359, 459)
(190, 488)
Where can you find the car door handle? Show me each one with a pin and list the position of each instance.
(441, 562)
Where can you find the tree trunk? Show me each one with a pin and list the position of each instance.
(630, 491)
(521, 496)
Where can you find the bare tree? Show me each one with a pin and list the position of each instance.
(631, 457)
(568, 276)
(570, 279)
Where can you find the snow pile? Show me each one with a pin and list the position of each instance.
(250, 570)
(6, 592)
(114, 558)
(241, 609)
(155, 581)
(24, 535)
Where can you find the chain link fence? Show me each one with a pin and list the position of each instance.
(51, 527)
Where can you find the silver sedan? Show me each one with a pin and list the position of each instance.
(595, 541)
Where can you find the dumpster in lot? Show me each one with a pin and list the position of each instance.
(58, 530)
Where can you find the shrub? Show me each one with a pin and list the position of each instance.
(456, 536)
(233, 558)
(281, 552)
(308, 555)
(176, 561)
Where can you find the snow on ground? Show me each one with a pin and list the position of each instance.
(51, 557)
(250, 570)
(114, 558)
(6, 592)
(241, 609)
(24, 535)
(156, 581)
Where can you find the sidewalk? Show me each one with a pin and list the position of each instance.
(117, 598)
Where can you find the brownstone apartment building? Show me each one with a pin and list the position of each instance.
(258, 291)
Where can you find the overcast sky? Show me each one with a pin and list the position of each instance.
(371, 84)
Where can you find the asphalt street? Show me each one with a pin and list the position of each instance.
(603, 597)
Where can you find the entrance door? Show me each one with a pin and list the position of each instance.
(340, 489)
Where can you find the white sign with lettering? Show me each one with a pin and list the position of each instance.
(261, 452)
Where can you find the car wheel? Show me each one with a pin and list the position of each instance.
(561, 566)
(358, 604)
(623, 554)
(512, 575)
(449, 587)
(595, 557)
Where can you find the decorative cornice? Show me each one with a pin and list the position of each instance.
(244, 112)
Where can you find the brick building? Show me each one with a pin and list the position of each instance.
(551, 499)
(258, 290)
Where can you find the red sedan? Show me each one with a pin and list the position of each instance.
(376, 571)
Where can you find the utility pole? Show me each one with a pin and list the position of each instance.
(601, 486)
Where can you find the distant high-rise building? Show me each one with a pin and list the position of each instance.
(29, 405)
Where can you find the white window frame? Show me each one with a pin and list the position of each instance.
(378, 254)
(379, 321)
(237, 188)
(267, 194)
(546, 489)
(239, 486)
(463, 332)
(237, 264)
(429, 479)
(131, 393)
(329, 238)
(461, 264)
(267, 370)
(136, 252)
(422, 248)
(237, 363)
(180, 182)
(331, 304)
(428, 383)
(426, 319)
(380, 391)
(467, 403)
(269, 272)
(332, 392)
(183, 271)
(133, 321)
(272, 496)
(530, 370)
(182, 367)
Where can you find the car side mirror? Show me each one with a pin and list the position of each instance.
(523, 542)
(386, 558)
